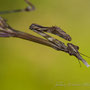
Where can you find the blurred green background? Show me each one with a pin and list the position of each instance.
(27, 65)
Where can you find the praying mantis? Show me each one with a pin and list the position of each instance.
(7, 31)
(71, 49)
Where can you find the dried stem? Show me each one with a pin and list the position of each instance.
(30, 7)
(29, 37)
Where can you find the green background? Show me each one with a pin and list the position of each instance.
(26, 65)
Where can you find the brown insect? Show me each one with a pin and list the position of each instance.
(71, 49)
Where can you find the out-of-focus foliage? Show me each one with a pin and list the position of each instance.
(26, 65)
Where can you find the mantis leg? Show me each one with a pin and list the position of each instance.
(53, 30)
(60, 44)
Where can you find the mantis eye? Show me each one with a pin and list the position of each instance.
(77, 47)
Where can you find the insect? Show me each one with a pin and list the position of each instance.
(29, 8)
(71, 49)
(7, 31)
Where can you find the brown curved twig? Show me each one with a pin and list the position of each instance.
(30, 7)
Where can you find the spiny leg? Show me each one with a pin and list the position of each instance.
(60, 44)
(53, 30)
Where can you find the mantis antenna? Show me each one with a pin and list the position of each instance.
(84, 55)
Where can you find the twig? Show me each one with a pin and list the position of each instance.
(26, 36)
(8, 31)
(29, 8)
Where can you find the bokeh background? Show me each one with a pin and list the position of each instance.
(27, 65)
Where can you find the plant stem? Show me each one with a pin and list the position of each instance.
(29, 37)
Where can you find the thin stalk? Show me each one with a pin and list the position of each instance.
(29, 37)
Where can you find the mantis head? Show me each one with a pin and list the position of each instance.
(73, 50)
